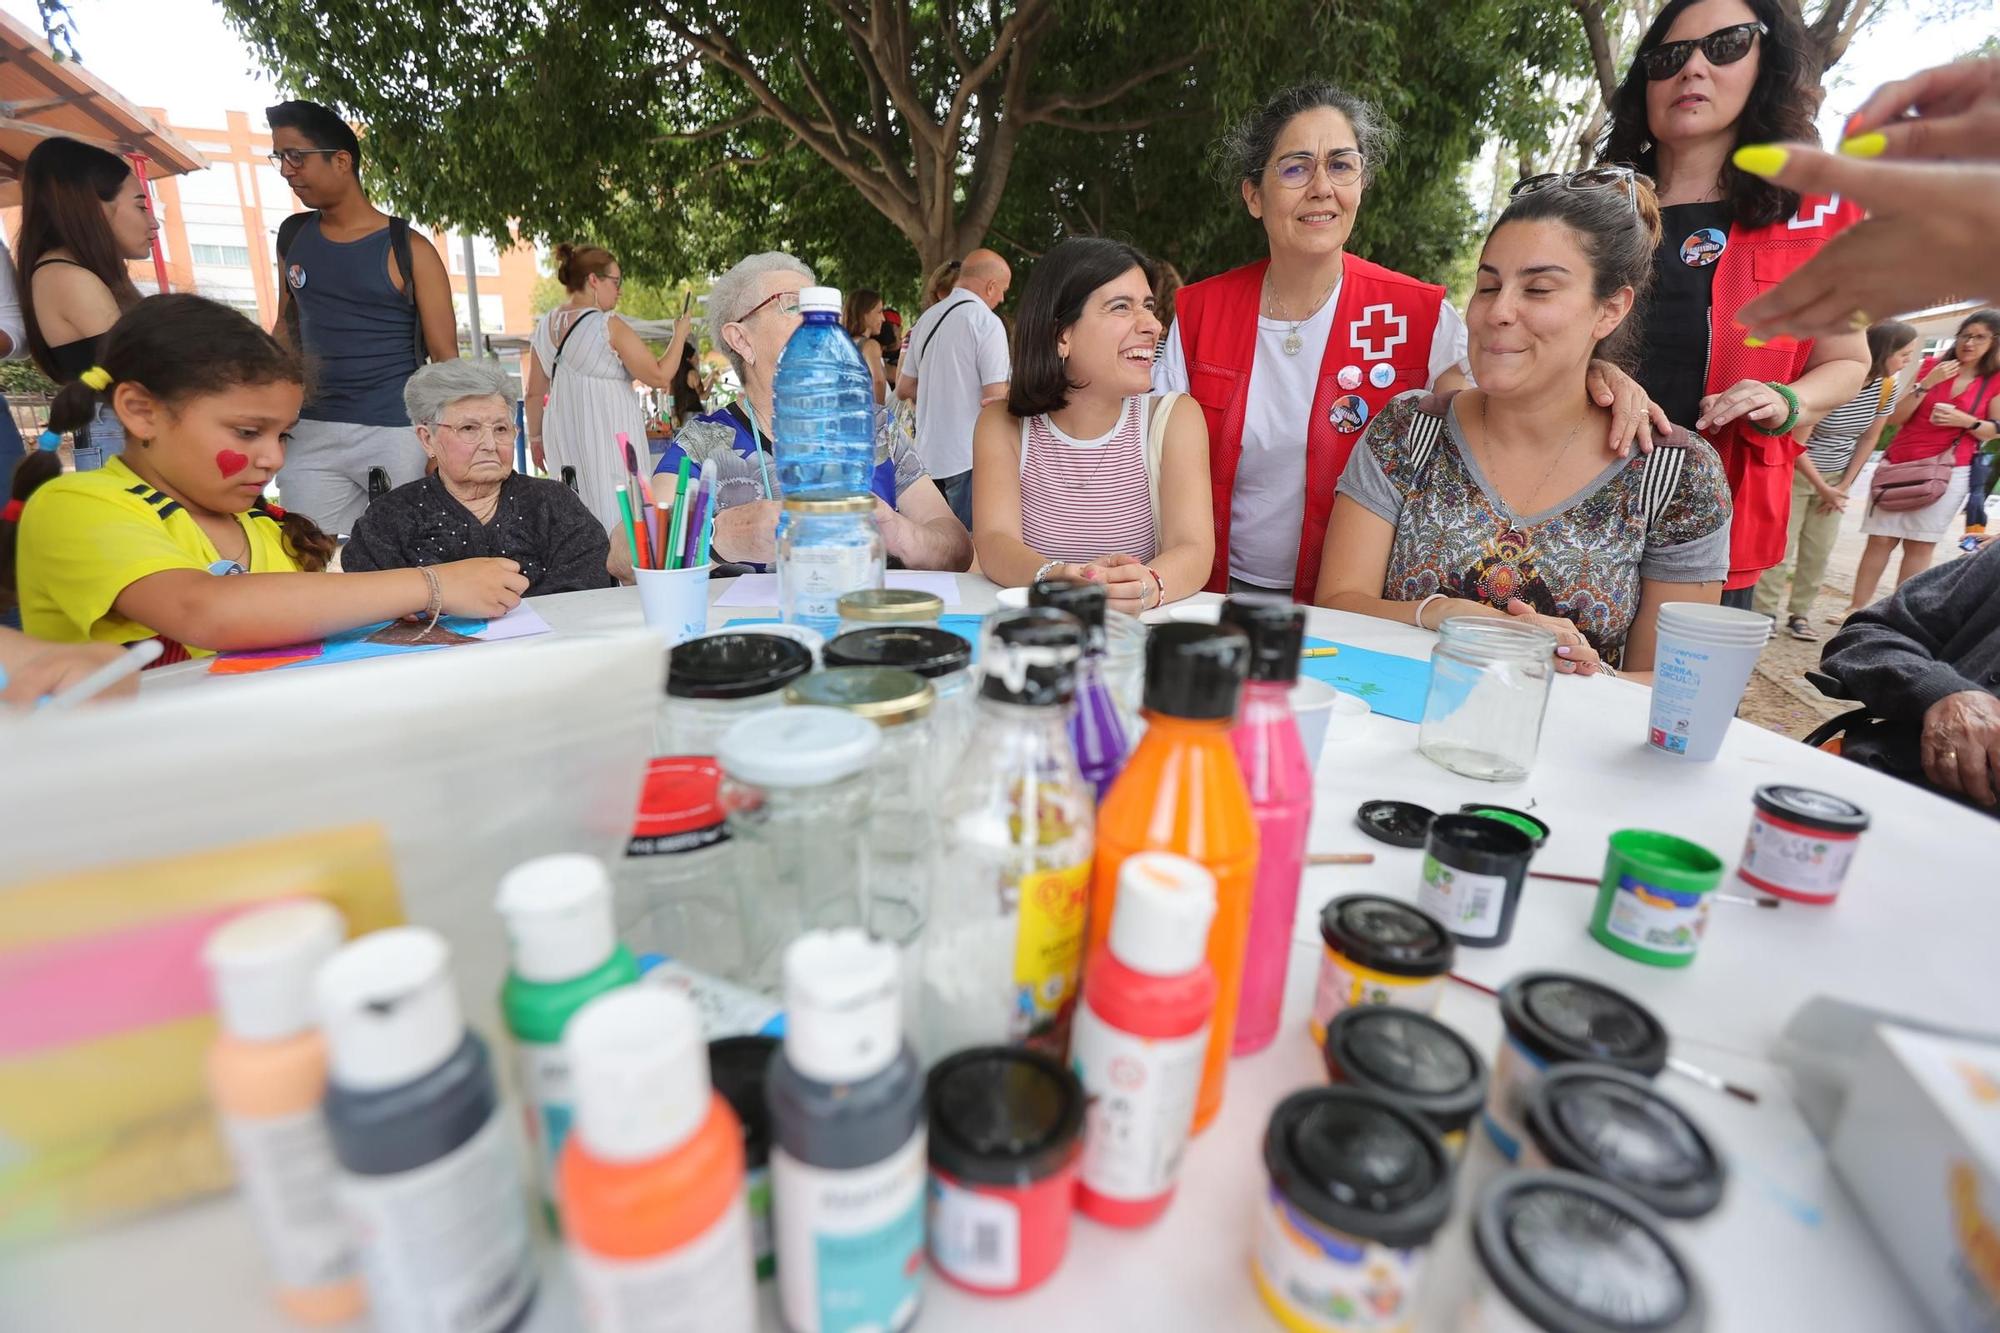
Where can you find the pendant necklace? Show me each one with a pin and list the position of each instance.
(1293, 344)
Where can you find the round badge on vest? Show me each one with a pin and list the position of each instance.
(296, 276)
(1703, 247)
(1382, 375)
(1348, 414)
(1349, 377)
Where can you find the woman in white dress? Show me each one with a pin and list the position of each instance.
(579, 390)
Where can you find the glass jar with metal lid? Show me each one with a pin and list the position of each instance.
(939, 656)
(796, 795)
(902, 820)
(872, 608)
(717, 680)
(826, 549)
(1489, 689)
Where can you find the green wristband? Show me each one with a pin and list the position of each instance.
(1783, 391)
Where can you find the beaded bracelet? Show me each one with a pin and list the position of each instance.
(1783, 391)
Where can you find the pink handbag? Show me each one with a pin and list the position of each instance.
(1900, 487)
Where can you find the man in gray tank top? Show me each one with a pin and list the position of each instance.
(365, 297)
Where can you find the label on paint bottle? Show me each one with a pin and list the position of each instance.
(548, 1103)
(850, 1243)
(1321, 1279)
(286, 1167)
(708, 1285)
(1514, 1073)
(974, 1237)
(1467, 903)
(1664, 920)
(1342, 986)
(1048, 944)
(445, 1248)
(1142, 1094)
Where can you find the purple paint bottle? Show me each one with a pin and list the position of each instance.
(1095, 729)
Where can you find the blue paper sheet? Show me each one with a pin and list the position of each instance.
(1393, 686)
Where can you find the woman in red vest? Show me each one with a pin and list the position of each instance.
(1291, 356)
(1711, 76)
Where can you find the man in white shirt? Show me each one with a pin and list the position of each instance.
(959, 349)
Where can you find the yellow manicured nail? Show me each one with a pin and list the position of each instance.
(1761, 159)
(1863, 145)
(1753, 342)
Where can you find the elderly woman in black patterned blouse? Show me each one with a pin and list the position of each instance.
(473, 503)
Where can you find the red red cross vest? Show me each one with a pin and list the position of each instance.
(1381, 320)
(1759, 466)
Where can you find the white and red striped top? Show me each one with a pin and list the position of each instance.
(1081, 499)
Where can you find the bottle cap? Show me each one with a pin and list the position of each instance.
(261, 965)
(387, 1007)
(735, 666)
(1165, 905)
(1195, 671)
(820, 298)
(1031, 656)
(640, 1072)
(557, 910)
(928, 651)
(1079, 597)
(843, 1008)
(800, 746)
(1276, 627)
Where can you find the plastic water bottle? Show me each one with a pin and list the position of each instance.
(824, 431)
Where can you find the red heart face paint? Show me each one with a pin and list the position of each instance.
(229, 462)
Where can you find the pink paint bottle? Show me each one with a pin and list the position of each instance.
(1279, 776)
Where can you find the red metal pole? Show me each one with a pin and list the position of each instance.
(159, 255)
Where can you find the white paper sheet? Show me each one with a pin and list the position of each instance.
(762, 589)
(519, 623)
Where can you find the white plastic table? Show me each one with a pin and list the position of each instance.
(1914, 932)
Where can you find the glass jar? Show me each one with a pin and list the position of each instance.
(873, 608)
(902, 820)
(676, 886)
(1489, 689)
(940, 657)
(796, 796)
(826, 548)
(717, 680)
(1125, 667)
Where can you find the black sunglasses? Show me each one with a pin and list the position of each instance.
(1614, 177)
(1724, 46)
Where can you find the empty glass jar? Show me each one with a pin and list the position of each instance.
(1489, 689)
(939, 656)
(872, 608)
(676, 886)
(717, 680)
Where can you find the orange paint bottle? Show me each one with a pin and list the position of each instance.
(1182, 791)
(651, 1177)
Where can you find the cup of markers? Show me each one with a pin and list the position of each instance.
(669, 534)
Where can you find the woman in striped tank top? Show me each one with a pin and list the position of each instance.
(1061, 483)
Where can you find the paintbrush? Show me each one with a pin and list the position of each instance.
(1738, 899)
(1341, 859)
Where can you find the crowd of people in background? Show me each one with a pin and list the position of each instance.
(1609, 423)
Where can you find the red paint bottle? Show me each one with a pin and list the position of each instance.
(1141, 1036)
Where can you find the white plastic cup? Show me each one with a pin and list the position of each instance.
(675, 602)
(1325, 713)
(1704, 658)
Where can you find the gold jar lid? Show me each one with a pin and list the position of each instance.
(884, 695)
(890, 605)
(846, 504)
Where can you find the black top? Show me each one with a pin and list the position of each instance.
(1410, 1057)
(1002, 1115)
(1612, 1125)
(1361, 1164)
(736, 1068)
(1673, 331)
(1195, 671)
(1387, 935)
(71, 359)
(1276, 627)
(1560, 1018)
(540, 524)
(1031, 657)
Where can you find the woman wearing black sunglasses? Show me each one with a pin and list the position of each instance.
(1710, 76)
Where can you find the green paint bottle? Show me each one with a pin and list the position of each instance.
(565, 950)
(1652, 903)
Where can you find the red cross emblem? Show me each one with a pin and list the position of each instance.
(1393, 330)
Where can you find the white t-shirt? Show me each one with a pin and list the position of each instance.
(1268, 509)
(969, 352)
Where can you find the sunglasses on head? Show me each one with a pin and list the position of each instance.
(1724, 46)
(1615, 177)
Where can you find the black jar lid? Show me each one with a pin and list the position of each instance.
(1615, 1127)
(1276, 627)
(1195, 671)
(1562, 1018)
(1031, 657)
(1361, 1164)
(736, 1067)
(1410, 1057)
(928, 651)
(1575, 1255)
(1398, 823)
(1003, 1115)
(1813, 809)
(1387, 935)
(735, 666)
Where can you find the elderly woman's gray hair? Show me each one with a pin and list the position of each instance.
(1245, 148)
(441, 383)
(734, 294)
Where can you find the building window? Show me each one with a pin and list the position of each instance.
(228, 256)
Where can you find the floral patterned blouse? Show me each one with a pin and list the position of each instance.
(1662, 516)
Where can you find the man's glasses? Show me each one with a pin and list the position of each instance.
(1724, 46)
(296, 157)
(1619, 178)
(1295, 170)
(788, 304)
(496, 432)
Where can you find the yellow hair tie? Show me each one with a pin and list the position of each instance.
(97, 377)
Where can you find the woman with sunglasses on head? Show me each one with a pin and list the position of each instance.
(1488, 502)
(1710, 76)
(579, 390)
(1290, 356)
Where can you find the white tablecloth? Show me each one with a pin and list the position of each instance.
(1915, 931)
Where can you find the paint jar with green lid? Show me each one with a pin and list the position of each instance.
(1652, 904)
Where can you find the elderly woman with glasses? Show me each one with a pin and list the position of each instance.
(473, 503)
(1711, 76)
(753, 310)
(1291, 356)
